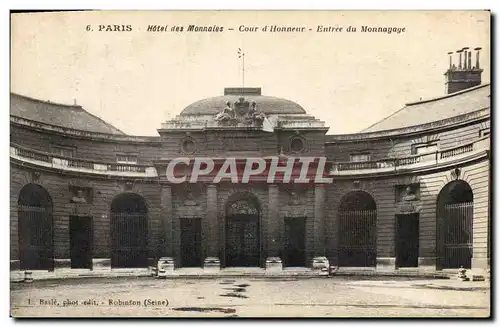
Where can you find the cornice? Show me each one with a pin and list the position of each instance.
(80, 134)
(432, 127)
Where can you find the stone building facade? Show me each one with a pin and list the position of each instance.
(411, 191)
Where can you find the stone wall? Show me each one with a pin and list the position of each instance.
(383, 191)
(402, 146)
(167, 205)
(104, 191)
(84, 148)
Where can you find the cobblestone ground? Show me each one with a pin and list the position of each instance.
(247, 297)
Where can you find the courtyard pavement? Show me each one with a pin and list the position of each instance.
(251, 297)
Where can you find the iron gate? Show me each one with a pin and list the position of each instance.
(129, 240)
(242, 241)
(35, 238)
(456, 235)
(357, 243)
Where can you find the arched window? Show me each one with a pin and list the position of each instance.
(454, 225)
(35, 228)
(242, 244)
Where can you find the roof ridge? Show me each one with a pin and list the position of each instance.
(104, 122)
(425, 126)
(383, 119)
(73, 106)
(409, 104)
(450, 95)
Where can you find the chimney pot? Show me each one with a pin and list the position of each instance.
(466, 55)
(477, 57)
(460, 58)
(449, 54)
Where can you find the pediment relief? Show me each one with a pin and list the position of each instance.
(240, 112)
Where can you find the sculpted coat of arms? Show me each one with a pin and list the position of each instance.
(240, 112)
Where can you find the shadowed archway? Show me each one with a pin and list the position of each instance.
(455, 204)
(36, 249)
(242, 231)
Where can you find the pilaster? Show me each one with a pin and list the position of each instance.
(212, 261)
(274, 231)
(166, 214)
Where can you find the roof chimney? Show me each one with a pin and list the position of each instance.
(465, 76)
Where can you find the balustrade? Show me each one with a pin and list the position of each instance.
(57, 161)
(405, 163)
(388, 164)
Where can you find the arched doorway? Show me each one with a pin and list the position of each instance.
(36, 250)
(129, 232)
(357, 230)
(454, 225)
(242, 231)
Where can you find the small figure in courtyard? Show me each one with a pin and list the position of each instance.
(332, 270)
(462, 274)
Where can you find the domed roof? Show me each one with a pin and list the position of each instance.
(265, 104)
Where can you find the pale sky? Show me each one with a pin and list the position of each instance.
(136, 79)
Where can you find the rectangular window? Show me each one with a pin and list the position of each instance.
(126, 158)
(358, 157)
(484, 132)
(424, 148)
(64, 151)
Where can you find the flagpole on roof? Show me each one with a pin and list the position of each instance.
(241, 55)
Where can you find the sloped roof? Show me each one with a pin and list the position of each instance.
(69, 116)
(427, 111)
